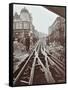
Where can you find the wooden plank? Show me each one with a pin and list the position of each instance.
(24, 81)
(15, 80)
(53, 57)
(32, 72)
(45, 54)
(48, 74)
(61, 70)
(33, 66)
(53, 61)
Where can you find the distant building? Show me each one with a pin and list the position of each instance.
(22, 25)
(57, 31)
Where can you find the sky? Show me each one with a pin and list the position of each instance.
(42, 18)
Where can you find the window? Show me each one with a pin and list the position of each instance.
(14, 26)
(18, 25)
(26, 25)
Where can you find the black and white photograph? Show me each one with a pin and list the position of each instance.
(39, 44)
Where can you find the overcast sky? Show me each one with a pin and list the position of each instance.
(42, 18)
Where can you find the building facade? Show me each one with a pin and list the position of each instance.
(22, 26)
(57, 31)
